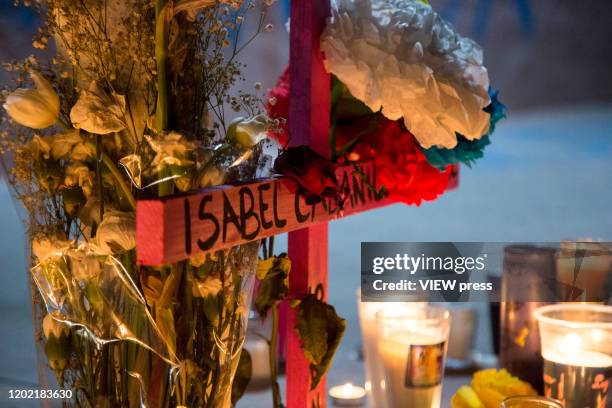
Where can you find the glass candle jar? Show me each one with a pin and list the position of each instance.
(530, 402)
(412, 352)
(577, 351)
(374, 375)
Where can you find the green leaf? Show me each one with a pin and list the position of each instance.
(243, 376)
(320, 330)
(275, 283)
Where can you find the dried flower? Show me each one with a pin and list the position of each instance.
(40, 147)
(99, 112)
(78, 174)
(45, 246)
(35, 108)
(172, 149)
(117, 232)
(70, 144)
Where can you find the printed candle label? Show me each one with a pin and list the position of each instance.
(425, 366)
(575, 386)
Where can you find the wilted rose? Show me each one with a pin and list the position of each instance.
(315, 175)
(98, 111)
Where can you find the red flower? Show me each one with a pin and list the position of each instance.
(277, 107)
(314, 175)
(400, 165)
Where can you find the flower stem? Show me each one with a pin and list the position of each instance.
(161, 57)
(99, 176)
(273, 349)
(108, 162)
(117, 176)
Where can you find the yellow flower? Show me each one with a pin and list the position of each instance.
(116, 232)
(84, 262)
(488, 389)
(246, 133)
(465, 397)
(35, 108)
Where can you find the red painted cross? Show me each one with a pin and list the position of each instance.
(177, 228)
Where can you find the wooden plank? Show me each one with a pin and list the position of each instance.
(309, 121)
(179, 227)
(308, 251)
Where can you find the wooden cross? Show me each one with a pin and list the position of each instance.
(179, 227)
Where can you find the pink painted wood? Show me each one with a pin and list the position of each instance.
(309, 122)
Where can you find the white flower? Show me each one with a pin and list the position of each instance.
(172, 149)
(46, 246)
(246, 133)
(98, 112)
(402, 57)
(35, 108)
(116, 232)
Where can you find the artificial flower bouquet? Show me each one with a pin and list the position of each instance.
(408, 93)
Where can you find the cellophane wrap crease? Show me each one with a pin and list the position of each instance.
(107, 339)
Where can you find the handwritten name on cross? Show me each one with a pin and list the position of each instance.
(177, 228)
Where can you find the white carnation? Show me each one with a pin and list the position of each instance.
(402, 57)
